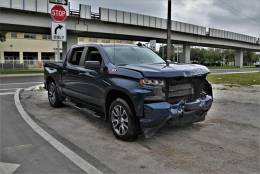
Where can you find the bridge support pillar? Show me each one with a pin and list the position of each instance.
(186, 54)
(2, 57)
(72, 39)
(39, 56)
(21, 57)
(239, 58)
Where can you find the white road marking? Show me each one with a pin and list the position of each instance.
(76, 159)
(7, 89)
(3, 84)
(7, 93)
(8, 168)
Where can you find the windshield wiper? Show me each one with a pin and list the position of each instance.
(122, 64)
(158, 63)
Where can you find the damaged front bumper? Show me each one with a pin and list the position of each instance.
(158, 114)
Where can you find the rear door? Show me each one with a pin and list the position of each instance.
(71, 72)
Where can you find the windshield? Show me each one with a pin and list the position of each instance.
(132, 55)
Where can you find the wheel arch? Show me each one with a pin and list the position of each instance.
(114, 94)
(49, 79)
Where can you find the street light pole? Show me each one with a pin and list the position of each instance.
(169, 27)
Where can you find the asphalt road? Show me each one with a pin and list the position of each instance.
(19, 144)
(11, 84)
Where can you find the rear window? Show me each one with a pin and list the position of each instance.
(76, 56)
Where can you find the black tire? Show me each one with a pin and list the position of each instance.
(55, 99)
(126, 127)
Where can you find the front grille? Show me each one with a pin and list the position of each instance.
(182, 89)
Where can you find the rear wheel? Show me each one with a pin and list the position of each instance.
(54, 97)
(123, 121)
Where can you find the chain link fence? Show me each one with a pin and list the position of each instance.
(25, 65)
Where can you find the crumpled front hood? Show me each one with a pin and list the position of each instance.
(173, 70)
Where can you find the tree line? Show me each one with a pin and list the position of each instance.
(214, 56)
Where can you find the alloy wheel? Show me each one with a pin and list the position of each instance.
(51, 94)
(119, 119)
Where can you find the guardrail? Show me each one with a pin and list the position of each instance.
(124, 17)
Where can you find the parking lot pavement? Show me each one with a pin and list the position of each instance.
(227, 142)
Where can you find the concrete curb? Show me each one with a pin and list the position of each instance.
(8, 168)
(34, 87)
(72, 156)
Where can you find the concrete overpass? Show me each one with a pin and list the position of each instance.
(32, 16)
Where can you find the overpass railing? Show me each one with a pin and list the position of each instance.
(231, 35)
(129, 18)
(41, 6)
(118, 16)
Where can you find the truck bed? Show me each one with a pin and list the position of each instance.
(54, 64)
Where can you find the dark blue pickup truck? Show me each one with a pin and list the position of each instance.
(130, 86)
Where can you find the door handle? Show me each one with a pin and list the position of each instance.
(88, 73)
(83, 74)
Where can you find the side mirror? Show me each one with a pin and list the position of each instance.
(168, 62)
(94, 65)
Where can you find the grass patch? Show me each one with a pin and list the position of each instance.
(20, 71)
(237, 79)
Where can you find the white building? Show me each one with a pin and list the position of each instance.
(24, 47)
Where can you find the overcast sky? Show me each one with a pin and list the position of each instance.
(242, 16)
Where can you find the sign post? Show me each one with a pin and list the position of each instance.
(59, 12)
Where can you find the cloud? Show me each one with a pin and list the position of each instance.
(242, 16)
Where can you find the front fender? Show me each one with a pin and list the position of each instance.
(132, 89)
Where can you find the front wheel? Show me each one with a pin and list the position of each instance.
(54, 97)
(123, 121)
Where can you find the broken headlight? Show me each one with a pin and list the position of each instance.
(157, 88)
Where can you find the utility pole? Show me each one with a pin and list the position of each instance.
(169, 28)
(177, 53)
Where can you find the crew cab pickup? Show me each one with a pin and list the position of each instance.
(129, 86)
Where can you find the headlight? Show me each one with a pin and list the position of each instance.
(157, 87)
(151, 82)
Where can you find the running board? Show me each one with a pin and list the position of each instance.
(82, 109)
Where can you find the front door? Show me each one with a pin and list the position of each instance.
(91, 81)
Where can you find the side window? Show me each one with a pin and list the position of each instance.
(93, 55)
(76, 56)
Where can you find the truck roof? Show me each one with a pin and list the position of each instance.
(103, 45)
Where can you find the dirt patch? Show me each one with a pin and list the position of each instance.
(227, 142)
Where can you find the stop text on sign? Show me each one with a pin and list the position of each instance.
(58, 13)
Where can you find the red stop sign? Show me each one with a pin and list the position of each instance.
(58, 13)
